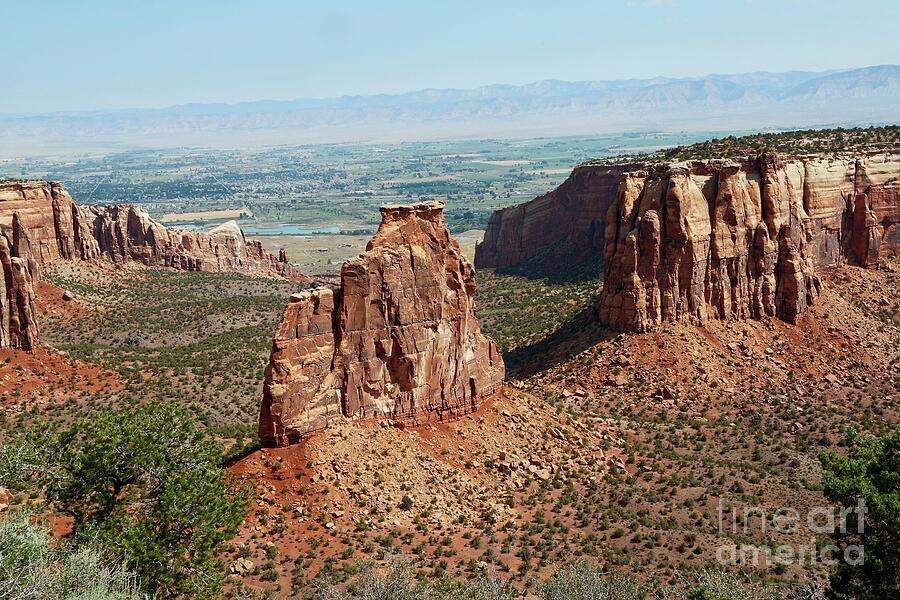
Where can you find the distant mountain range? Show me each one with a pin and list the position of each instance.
(715, 102)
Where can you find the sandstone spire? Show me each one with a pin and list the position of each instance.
(399, 339)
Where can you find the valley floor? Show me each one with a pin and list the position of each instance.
(631, 451)
(618, 449)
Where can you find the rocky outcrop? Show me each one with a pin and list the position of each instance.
(398, 339)
(18, 326)
(742, 238)
(706, 240)
(53, 227)
(44, 224)
(560, 229)
(127, 233)
(40, 224)
(854, 204)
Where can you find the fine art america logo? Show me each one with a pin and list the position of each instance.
(818, 521)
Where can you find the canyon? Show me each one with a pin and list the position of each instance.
(41, 224)
(693, 240)
(387, 424)
(398, 339)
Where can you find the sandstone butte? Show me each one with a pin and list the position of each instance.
(398, 339)
(40, 224)
(691, 241)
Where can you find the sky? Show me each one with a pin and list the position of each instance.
(109, 54)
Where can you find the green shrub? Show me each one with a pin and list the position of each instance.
(580, 581)
(30, 567)
(147, 484)
(869, 473)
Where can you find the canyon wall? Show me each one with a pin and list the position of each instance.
(742, 238)
(127, 233)
(18, 326)
(398, 339)
(40, 224)
(560, 229)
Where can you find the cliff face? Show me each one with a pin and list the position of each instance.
(712, 239)
(562, 228)
(566, 226)
(53, 227)
(399, 339)
(742, 239)
(127, 233)
(40, 224)
(44, 224)
(18, 326)
(706, 240)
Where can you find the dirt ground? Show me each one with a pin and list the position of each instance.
(612, 448)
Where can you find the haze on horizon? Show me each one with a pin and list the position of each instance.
(101, 54)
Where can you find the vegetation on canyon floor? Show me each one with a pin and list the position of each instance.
(147, 486)
(575, 581)
(651, 515)
(199, 339)
(151, 510)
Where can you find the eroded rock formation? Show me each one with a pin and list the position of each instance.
(562, 228)
(742, 239)
(566, 226)
(707, 240)
(40, 224)
(127, 233)
(18, 326)
(52, 226)
(398, 339)
(711, 239)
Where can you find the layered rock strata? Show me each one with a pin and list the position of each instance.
(566, 226)
(398, 339)
(742, 238)
(18, 326)
(562, 228)
(40, 224)
(52, 226)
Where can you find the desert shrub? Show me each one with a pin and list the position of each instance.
(398, 582)
(146, 484)
(870, 472)
(710, 584)
(581, 581)
(574, 581)
(31, 568)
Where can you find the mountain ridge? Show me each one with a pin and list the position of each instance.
(730, 101)
(791, 77)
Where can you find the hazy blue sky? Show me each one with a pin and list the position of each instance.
(73, 55)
